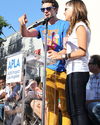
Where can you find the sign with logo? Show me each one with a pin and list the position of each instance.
(14, 68)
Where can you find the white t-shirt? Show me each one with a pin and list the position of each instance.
(80, 64)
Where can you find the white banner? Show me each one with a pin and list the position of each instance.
(14, 68)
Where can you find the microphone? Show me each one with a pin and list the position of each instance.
(41, 22)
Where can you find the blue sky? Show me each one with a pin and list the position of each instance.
(11, 10)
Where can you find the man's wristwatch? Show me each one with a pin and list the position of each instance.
(65, 56)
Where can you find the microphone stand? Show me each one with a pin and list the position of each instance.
(42, 22)
(44, 77)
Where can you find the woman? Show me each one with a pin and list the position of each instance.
(77, 41)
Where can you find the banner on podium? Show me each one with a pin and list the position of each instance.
(14, 68)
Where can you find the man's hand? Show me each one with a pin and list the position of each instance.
(23, 19)
(54, 55)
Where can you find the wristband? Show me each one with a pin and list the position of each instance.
(68, 55)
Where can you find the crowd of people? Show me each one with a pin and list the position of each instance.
(11, 106)
(72, 93)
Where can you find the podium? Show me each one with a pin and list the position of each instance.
(40, 62)
(38, 59)
(17, 73)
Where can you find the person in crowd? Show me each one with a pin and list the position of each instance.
(32, 92)
(15, 88)
(2, 87)
(36, 106)
(2, 96)
(76, 56)
(93, 90)
(13, 104)
(55, 73)
(10, 107)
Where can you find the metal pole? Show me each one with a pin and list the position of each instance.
(44, 77)
(23, 93)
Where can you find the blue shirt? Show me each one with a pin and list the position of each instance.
(56, 33)
(93, 86)
(14, 92)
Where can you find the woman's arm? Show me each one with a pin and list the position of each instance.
(82, 43)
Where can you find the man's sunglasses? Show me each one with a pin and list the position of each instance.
(47, 8)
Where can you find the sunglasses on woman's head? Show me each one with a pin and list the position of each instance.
(47, 8)
(65, 9)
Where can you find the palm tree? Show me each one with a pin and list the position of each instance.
(3, 23)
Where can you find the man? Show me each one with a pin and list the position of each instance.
(2, 86)
(93, 90)
(55, 76)
(2, 96)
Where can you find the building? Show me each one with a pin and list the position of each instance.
(16, 43)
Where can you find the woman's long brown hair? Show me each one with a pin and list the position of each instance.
(79, 14)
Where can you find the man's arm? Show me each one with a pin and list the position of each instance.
(23, 29)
